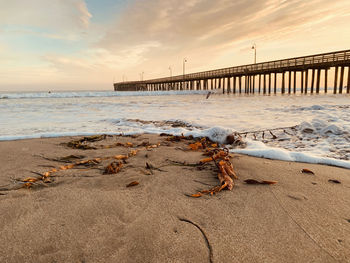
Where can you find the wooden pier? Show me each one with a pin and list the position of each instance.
(286, 76)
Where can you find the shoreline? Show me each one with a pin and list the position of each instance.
(257, 149)
(85, 215)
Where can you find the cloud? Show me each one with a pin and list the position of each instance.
(199, 27)
(99, 59)
(148, 36)
(58, 16)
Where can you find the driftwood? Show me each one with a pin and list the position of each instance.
(235, 139)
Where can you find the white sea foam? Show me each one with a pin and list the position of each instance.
(90, 94)
(321, 124)
(259, 149)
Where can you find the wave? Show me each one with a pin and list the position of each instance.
(259, 149)
(89, 94)
(255, 147)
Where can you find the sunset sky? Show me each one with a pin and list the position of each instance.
(86, 45)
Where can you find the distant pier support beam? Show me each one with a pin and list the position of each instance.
(283, 82)
(259, 83)
(335, 80)
(348, 88)
(341, 82)
(246, 84)
(269, 83)
(228, 85)
(295, 82)
(250, 84)
(312, 80)
(249, 88)
(302, 82)
(253, 82)
(325, 80)
(275, 83)
(318, 80)
(306, 80)
(264, 87)
(240, 84)
(234, 85)
(289, 82)
(223, 86)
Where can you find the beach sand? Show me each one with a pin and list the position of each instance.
(84, 215)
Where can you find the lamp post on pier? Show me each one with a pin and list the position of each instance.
(254, 47)
(171, 71)
(171, 76)
(183, 71)
(141, 75)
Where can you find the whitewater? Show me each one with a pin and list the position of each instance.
(309, 128)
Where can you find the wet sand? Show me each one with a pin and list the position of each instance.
(84, 215)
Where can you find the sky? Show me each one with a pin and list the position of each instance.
(89, 44)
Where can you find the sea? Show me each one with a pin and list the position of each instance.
(300, 128)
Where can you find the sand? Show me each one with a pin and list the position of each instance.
(86, 216)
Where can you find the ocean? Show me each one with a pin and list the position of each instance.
(305, 128)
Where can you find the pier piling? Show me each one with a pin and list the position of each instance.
(306, 81)
(348, 86)
(318, 81)
(312, 81)
(325, 80)
(302, 82)
(341, 80)
(335, 80)
(289, 82)
(295, 82)
(240, 84)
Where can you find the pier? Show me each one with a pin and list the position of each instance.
(287, 76)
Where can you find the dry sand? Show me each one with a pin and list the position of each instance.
(85, 216)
